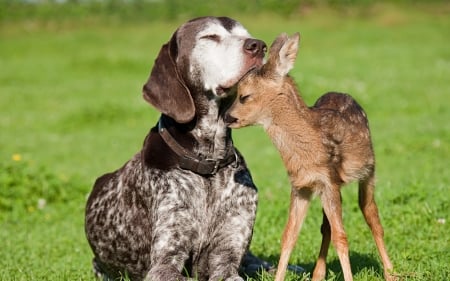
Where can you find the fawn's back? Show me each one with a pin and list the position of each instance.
(345, 134)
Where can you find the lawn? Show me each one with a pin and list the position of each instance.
(71, 109)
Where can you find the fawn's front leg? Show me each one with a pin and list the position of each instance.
(300, 199)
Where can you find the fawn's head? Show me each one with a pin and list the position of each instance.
(260, 88)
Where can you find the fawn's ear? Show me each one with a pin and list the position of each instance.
(283, 53)
(271, 65)
(166, 89)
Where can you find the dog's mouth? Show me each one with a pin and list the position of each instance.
(247, 73)
(224, 90)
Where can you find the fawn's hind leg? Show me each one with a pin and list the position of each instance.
(370, 212)
(321, 267)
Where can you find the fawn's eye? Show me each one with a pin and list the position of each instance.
(213, 37)
(243, 99)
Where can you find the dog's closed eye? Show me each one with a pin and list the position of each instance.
(213, 37)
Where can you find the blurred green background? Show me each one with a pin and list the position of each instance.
(71, 109)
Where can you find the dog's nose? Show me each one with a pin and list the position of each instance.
(255, 47)
(229, 119)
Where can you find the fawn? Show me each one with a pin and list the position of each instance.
(323, 147)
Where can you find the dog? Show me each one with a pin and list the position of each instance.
(185, 204)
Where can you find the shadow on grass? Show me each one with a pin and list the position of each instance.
(358, 262)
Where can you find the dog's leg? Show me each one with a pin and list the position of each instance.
(168, 268)
(99, 273)
(225, 268)
(175, 227)
(229, 245)
(165, 273)
(300, 199)
(370, 211)
(233, 216)
(320, 268)
(225, 258)
(332, 206)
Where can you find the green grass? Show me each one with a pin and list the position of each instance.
(71, 110)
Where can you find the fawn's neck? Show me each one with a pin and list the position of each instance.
(293, 131)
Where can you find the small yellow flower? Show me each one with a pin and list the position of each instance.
(16, 157)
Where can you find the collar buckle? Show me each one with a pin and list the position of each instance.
(188, 161)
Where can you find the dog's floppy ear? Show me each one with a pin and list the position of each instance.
(165, 89)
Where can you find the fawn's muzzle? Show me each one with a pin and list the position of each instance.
(229, 119)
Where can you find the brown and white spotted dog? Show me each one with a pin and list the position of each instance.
(185, 204)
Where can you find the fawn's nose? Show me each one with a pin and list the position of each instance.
(255, 47)
(229, 119)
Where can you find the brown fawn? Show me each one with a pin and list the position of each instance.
(323, 147)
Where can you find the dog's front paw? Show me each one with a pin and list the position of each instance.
(252, 266)
(234, 278)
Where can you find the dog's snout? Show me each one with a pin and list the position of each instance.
(255, 46)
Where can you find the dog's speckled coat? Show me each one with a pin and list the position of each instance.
(150, 219)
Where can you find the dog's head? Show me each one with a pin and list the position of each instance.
(205, 55)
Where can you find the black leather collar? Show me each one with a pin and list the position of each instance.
(189, 161)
